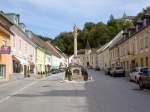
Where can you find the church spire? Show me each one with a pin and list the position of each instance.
(124, 15)
(87, 45)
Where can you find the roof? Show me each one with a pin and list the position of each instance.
(38, 41)
(41, 44)
(103, 47)
(60, 52)
(116, 39)
(93, 51)
(6, 25)
(25, 36)
(52, 49)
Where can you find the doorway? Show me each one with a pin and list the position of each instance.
(25, 71)
(2, 71)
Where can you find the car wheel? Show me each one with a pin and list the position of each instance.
(136, 80)
(141, 85)
(123, 75)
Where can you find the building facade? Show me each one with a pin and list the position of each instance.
(40, 54)
(103, 57)
(55, 56)
(133, 47)
(87, 57)
(23, 49)
(5, 48)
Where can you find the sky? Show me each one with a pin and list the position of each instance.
(51, 17)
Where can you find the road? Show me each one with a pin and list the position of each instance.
(53, 94)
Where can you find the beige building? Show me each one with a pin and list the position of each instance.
(87, 57)
(103, 61)
(114, 50)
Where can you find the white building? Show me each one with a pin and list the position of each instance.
(58, 59)
(104, 54)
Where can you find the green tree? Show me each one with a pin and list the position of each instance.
(96, 33)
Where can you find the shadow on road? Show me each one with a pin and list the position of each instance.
(104, 93)
(55, 93)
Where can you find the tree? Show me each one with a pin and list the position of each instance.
(97, 34)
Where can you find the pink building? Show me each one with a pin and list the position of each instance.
(23, 50)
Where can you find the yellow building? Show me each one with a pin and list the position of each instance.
(133, 50)
(5, 49)
(40, 54)
(140, 47)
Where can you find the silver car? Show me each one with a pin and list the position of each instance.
(117, 71)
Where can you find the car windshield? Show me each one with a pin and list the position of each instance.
(146, 70)
(137, 69)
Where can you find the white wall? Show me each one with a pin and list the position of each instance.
(55, 62)
(48, 59)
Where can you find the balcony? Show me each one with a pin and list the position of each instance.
(5, 49)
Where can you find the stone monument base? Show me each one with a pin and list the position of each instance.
(77, 73)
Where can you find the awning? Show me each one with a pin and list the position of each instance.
(21, 60)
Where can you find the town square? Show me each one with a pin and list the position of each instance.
(74, 56)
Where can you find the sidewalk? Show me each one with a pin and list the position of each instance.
(3, 82)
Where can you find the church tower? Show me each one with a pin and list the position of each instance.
(87, 48)
(87, 53)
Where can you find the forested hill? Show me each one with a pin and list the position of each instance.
(96, 33)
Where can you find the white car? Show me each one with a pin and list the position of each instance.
(135, 74)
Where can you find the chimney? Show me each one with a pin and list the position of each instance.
(29, 33)
(22, 27)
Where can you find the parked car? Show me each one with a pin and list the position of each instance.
(55, 71)
(144, 79)
(107, 71)
(61, 70)
(135, 74)
(97, 68)
(117, 71)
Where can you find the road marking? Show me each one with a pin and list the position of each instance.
(27, 86)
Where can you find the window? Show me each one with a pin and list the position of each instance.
(26, 48)
(4, 41)
(141, 43)
(127, 67)
(146, 41)
(49, 59)
(141, 62)
(146, 61)
(20, 44)
(14, 42)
